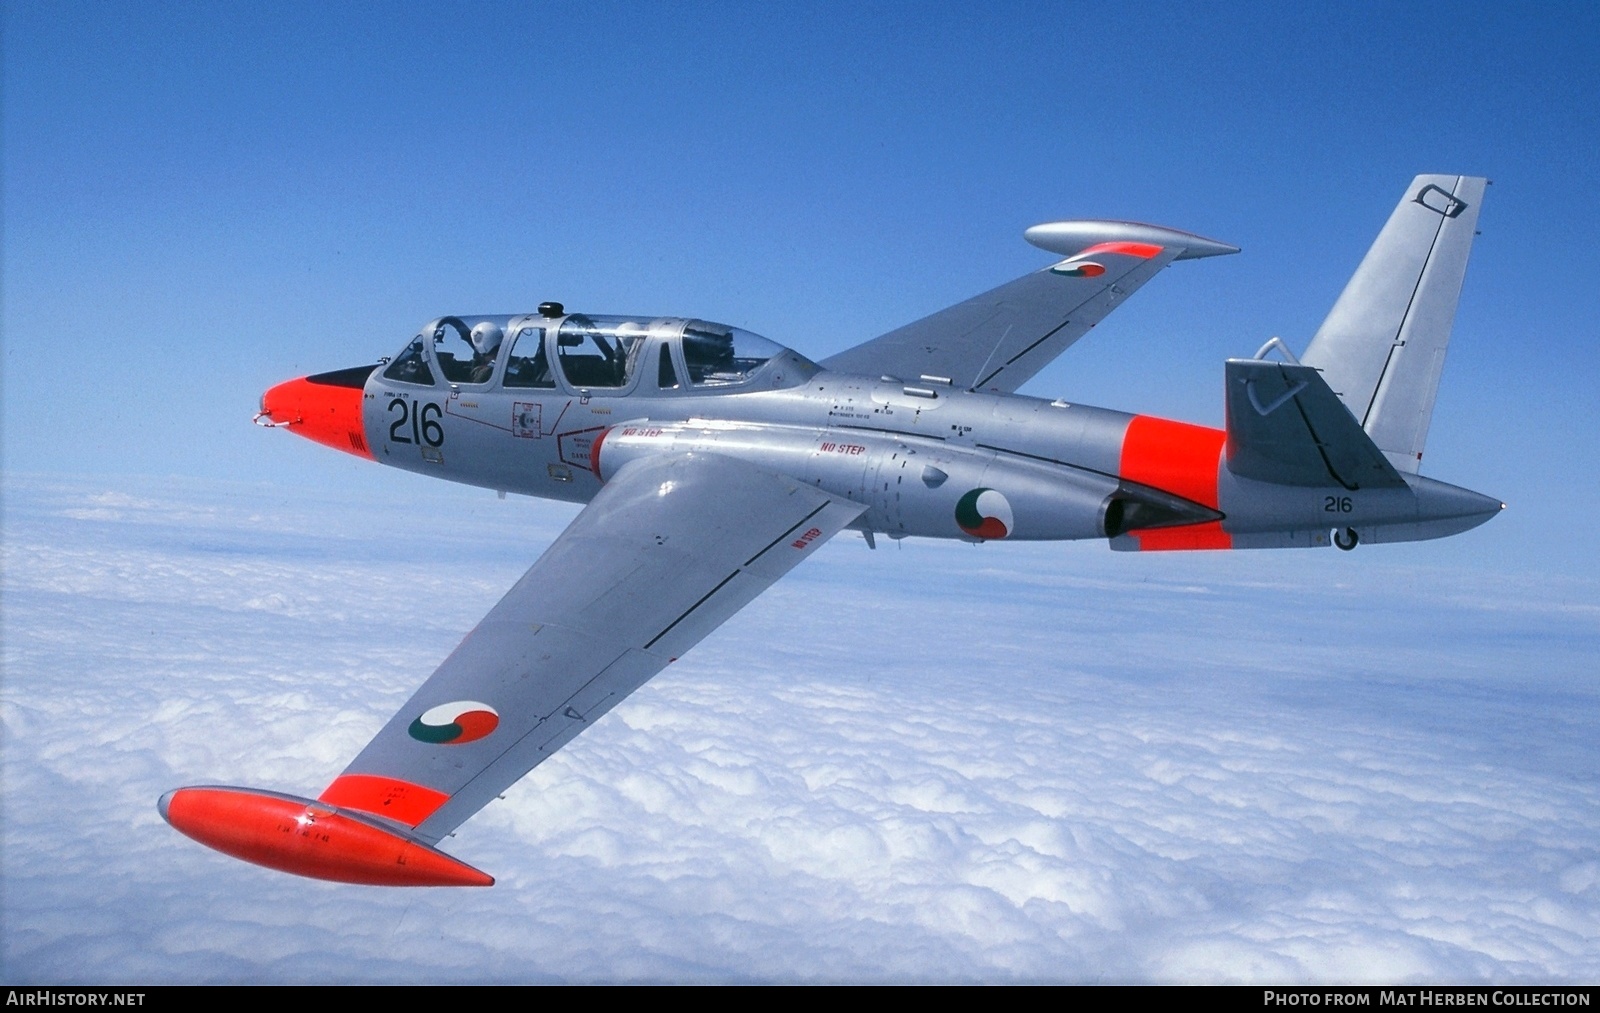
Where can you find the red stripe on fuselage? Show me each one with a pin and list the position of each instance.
(1181, 459)
(384, 796)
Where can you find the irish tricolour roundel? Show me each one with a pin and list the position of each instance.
(455, 723)
(1079, 269)
(984, 513)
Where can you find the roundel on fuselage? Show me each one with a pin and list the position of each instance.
(984, 513)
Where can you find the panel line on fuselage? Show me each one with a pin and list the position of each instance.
(893, 432)
(468, 418)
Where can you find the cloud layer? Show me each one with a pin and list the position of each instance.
(931, 763)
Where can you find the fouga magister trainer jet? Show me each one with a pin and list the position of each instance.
(712, 461)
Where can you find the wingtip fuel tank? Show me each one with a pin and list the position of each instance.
(1072, 238)
(310, 838)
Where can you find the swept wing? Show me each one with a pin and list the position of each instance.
(667, 551)
(998, 340)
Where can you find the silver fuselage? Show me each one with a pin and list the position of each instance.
(908, 450)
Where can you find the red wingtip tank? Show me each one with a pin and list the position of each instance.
(310, 839)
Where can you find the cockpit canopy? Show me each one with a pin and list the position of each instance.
(580, 353)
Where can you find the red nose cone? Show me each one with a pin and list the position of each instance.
(328, 413)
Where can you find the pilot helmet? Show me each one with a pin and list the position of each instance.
(486, 338)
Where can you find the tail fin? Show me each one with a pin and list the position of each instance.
(1286, 427)
(1382, 347)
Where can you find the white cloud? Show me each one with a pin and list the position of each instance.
(936, 762)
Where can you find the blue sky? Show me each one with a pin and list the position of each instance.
(203, 200)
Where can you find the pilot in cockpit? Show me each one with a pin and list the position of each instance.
(486, 337)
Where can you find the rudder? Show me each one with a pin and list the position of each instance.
(1382, 346)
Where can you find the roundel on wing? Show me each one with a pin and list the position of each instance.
(1080, 269)
(455, 723)
(984, 513)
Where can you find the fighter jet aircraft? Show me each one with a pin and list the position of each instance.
(712, 461)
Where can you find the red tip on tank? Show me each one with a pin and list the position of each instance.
(310, 839)
(329, 414)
